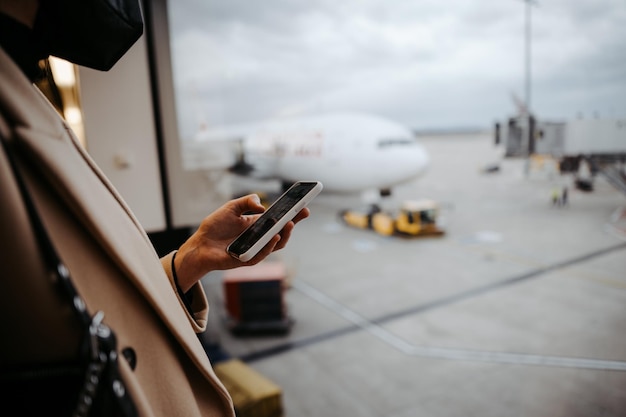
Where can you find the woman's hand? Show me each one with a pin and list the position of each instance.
(205, 250)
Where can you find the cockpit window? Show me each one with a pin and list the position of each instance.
(384, 143)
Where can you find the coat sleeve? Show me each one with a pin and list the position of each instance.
(195, 305)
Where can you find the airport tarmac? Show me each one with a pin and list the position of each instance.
(519, 310)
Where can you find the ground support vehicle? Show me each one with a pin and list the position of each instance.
(414, 218)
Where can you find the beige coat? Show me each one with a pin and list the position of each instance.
(110, 258)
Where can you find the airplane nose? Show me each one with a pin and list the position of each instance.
(424, 160)
(410, 163)
(416, 162)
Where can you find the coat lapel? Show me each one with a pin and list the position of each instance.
(49, 143)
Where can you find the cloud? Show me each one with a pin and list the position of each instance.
(427, 63)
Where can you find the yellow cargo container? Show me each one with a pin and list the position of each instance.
(253, 394)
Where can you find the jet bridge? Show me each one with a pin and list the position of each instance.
(613, 172)
(599, 143)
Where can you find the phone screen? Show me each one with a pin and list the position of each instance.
(270, 217)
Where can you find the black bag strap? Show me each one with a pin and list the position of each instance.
(101, 343)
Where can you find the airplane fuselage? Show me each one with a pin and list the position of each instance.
(346, 152)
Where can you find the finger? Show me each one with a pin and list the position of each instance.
(285, 234)
(248, 204)
(250, 218)
(266, 251)
(302, 214)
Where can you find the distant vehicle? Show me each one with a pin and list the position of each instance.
(348, 153)
(491, 168)
(583, 184)
(414, 218)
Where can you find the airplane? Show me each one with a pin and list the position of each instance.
(348, 153)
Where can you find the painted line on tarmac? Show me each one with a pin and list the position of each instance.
(374, 326)
(615, 221)
(497, 285)
(451, 353)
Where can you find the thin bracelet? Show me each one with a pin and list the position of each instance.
(174, 270)
(186, 298)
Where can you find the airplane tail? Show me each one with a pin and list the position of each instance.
(522, 110)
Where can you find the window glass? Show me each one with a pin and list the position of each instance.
(425, 64)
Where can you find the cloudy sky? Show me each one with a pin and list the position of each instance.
(429, 64)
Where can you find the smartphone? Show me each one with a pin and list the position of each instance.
(271, 222)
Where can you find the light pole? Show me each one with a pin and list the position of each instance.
(527, 98)
(528, 52)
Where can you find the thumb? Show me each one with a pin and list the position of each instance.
(255, 199)
(250, 204)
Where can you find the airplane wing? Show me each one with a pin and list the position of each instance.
(215, 154)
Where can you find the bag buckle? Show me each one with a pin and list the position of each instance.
(97, 332)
